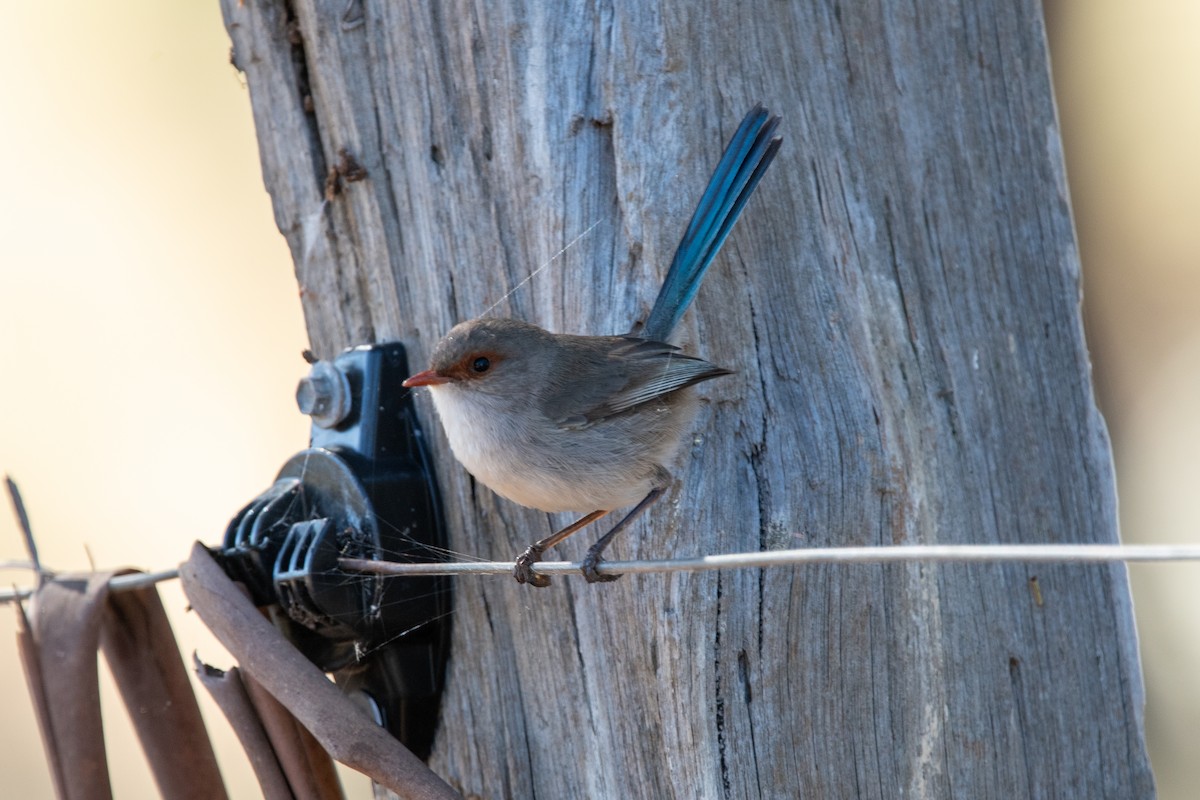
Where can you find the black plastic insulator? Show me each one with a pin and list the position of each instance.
(363, 489)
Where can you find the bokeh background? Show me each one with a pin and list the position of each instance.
(150, 330)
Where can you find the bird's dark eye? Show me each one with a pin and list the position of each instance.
(481, 364)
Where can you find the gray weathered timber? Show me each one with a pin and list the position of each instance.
(900, 302)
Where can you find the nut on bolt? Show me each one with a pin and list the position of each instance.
(324, 394)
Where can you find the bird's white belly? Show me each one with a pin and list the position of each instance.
(512, 461)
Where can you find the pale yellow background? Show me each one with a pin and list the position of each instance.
(150, 330)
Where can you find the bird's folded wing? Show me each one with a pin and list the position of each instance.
(620, 373)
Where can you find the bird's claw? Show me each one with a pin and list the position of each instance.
(590, 562)
(523, 569)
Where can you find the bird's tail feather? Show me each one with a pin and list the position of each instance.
(742, 166)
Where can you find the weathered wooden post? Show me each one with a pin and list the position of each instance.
(900, 302)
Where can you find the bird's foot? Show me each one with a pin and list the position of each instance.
(590, 562)
(523, 569)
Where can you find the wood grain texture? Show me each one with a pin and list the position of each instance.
(901, 304)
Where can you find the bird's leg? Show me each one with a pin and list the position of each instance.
(523, 570)
(592, 559)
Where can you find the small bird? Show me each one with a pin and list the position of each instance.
(560, 422)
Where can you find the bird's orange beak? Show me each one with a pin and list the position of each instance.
(426, 378)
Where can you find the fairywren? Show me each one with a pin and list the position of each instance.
(560, 422)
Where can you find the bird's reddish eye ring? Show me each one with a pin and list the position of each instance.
(481, 364)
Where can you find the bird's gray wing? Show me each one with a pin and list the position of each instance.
(612, 374)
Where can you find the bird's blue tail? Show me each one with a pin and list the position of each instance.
(746, 159)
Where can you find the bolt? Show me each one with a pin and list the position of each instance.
(324, 395)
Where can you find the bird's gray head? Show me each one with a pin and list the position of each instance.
(490, 355)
